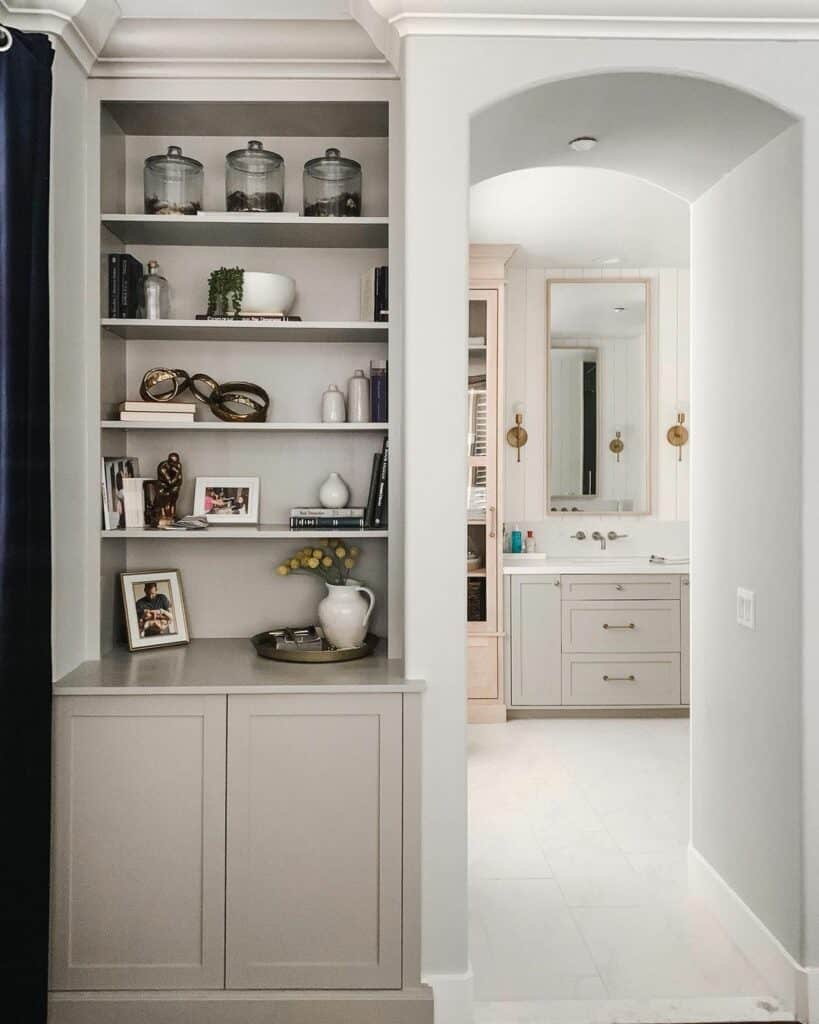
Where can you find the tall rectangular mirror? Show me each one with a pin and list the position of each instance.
(598, 400)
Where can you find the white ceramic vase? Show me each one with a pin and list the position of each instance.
(344, 613)
(358, 398)
(333, 408)
(334, 493)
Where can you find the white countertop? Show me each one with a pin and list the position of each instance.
(605, 565)
(229, 666)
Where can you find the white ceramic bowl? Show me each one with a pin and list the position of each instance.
(267, 294)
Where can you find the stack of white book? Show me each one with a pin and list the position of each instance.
(157, 412)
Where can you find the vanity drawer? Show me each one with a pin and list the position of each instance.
(594, 679)
(620, 588)
(621, 626)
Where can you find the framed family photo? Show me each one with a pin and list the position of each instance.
(154, 609)
(227, 500)
(114, 471)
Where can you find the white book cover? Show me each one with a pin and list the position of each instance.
(325, 513)
(134, 497)
(156, 417)
(158, 407)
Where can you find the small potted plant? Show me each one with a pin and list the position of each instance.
(344, 613)
(225, 291)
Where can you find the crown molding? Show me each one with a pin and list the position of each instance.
(250, 48)
(389, 21)
(83, 25)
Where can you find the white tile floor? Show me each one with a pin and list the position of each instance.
(580, 913)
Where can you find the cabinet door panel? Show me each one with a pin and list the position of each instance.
(314, 841)
(138, 847)
(535, 617)
(482, 667)
(685, 640)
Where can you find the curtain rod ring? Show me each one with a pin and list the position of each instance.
(6, 39)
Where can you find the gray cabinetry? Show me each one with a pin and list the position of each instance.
(139, 843)
(535, 668)
(314, 841)
(612, 640)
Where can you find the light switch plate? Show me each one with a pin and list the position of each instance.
(746, 608)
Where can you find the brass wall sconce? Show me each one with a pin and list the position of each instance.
(678, 435)
(616, 444)
(517, 436)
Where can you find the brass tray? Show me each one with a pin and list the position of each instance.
(266, 649)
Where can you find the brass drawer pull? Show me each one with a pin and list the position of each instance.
(619, 679)
(629, 626)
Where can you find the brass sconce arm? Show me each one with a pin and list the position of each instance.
(517, 436)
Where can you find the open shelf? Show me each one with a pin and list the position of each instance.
(254, 229)
(246, 330)
(348, 428)
(264, 531)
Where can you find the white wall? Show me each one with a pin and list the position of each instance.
(445, 81)
(525, 495)
(747, 324)
(68, 440)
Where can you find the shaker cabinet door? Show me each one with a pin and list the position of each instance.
(535, 647)
(314, 841)
(138, 844)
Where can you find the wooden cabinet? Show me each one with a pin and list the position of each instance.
(685, 629)
(591, 641)
(139, 843)
(535, 665)
(314, 842)
(266, 841)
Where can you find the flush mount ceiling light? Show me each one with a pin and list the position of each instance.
(583, 143)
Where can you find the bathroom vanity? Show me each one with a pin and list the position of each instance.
(235, 840)
(584, 634)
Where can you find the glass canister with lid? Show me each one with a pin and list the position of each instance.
(332, 186)
(173, 183)
(254, 180)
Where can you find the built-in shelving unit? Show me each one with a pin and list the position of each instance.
(231, 587)
(265, 531)
(245, 330)
(324, 428)
(238, 229)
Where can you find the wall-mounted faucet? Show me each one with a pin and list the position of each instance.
(597, 535)
(617, 536)
(578, 536)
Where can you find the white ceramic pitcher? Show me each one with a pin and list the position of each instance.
(344, 613)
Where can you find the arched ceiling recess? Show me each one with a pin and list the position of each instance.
(678, 132)
(581, 217)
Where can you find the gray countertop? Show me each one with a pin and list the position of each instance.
(229, 666)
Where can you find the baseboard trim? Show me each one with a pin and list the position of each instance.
(407, 1006)
(454, 994)
(654, 711)
(796, 987)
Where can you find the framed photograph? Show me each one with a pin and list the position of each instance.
(227, 500)
(154, 609)
(114, 471)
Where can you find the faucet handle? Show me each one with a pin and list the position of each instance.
(578, 536)
(616, 536)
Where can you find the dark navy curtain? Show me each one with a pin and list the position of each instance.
(25, 530)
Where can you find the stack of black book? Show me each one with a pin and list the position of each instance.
(375, 294)
(124, 273)
(375, 516)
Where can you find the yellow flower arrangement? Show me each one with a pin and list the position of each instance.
(330, 561)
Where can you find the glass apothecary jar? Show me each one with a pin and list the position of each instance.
(254, 180)
(173, 183)
(332, 186)
(154, 298)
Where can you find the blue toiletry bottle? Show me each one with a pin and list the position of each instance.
(517, 540)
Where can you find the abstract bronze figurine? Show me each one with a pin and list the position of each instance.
(163, 385)
(170, 476)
